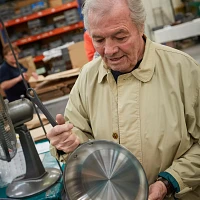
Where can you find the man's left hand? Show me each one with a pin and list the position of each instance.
(35, 75)
(157, 191)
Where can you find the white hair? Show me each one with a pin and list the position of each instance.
(137, 11)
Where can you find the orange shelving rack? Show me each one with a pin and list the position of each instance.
(41, 13)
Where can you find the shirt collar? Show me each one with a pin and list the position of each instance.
(103, 71)
(146, 68)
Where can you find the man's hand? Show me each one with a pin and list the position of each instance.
(35, 75)
(25, 77)
(61, 136)
(157, 191)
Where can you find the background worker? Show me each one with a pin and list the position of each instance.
(10, 78)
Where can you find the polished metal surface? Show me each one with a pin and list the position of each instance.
(103, 170)
(20, 111)
(21, 188)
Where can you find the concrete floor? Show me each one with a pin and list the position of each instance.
(193, 51)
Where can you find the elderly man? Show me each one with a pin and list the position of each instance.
(142, 95)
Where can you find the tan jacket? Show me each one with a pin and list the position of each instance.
(153, 111)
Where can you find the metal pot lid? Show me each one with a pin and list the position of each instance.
(104, 170)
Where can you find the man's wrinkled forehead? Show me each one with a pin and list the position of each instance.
(106, 12)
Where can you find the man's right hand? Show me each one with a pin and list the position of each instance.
(25, 77)
(61, 136)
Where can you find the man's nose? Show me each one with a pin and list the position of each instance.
(110, 47)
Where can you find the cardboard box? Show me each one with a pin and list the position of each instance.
(55, 3)
(38, 133)
(29, 64)
(77, 55)
(55, 85)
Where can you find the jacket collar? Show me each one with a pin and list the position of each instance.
(144, 72)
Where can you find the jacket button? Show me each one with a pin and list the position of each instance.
(115, 136)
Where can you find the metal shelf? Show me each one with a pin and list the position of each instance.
(41, 13)
(38, 58)
(49, 34)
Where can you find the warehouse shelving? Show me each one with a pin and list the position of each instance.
(38, 58)
(54, 32)
(41, 13)
(47, 36)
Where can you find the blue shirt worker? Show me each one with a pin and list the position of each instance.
(10, 77)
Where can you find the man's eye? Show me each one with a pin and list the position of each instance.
(121, 38)
(99, 41)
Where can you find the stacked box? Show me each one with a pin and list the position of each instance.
(58, 62)
(23, 3)
(77, 37)
(35, 23)
(77, 50)
(57, 69)
(35, 26)
(29, 8)
(15, 36)
(35, 31)
(58, 65)
(67, 38)
(40, 5)
(29, 52)
(72, 16)
(41, 50)
(17, 15)
(59, 21)
(55, 44)
(26, 10)
(65, 55)
(47, 28)
(6, 12)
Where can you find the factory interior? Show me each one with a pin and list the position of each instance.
(47, 45)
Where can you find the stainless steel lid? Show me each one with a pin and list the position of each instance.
(104, 170)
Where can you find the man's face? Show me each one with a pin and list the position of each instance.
(117, 39)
